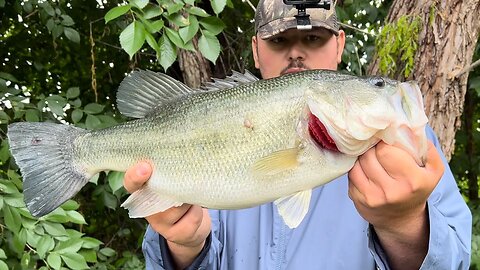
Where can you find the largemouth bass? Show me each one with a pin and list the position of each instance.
(236, 143)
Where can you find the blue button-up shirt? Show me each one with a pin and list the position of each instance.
(332, 236)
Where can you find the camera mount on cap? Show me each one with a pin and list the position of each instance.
(303, 19)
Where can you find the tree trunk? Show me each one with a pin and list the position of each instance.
(447, 42)
(195, 68)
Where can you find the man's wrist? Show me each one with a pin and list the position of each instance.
(183, 257)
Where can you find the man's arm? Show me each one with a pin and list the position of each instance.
(408, 231)
(185, 228)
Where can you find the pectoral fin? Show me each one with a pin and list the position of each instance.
(294, 208)
(277, 162)
(144, 202)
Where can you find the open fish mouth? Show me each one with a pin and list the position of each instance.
(319, 133)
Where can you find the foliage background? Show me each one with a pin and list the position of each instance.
(61, 61)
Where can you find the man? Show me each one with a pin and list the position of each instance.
(387, 212)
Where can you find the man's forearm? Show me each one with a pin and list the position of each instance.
(184, 255)
(406, 245)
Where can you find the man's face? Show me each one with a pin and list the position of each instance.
(295, 50)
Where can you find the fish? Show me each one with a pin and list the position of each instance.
(234, 143)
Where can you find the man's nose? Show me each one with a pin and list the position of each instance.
(296, 52)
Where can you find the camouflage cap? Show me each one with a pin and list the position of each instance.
(273, 17)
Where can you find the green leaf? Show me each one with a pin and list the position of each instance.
(67, 20)
(32, 115)
(174, 37)
(197, 11)
(77, 115)
(92, 122)
(152, 11)
(73, 92)
(14, 200)
(74, 261)
(47, 8)
(69, 246)
(107, 252)
(4, 118)
(70, 205)
(209, 46)
(54, 229)
(54, 260)
(2, 254)
(2, 3)
(7, 186)
(139, 3)
(218, 5)
(56, 104)
(76, 217)
(57, 30)
(93, 108)
(8, 77)
(132, 38)
(173, 8)
(168, 53)
(12, 219)
(25, 261)
(72, 34)
(213, 24)
(89, 255)
(91, 243)
(115, 180)
(116, 12)
(188, 32)
(3, 265)
(152, 42)
(45, 244)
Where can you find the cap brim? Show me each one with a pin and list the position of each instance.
(278, 26)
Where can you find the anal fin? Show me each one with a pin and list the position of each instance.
(145, 202)
(294, 208)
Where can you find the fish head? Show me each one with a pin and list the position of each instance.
(351, 114)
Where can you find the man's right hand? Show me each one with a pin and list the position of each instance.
(185, 227)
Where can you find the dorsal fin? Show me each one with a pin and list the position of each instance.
(143, 90)
(233, 80)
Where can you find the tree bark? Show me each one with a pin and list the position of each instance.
(195, 68)
(447, 42)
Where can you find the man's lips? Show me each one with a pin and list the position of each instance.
(292, 70)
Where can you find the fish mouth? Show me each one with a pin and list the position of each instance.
(319, 133)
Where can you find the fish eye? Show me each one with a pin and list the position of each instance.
(377, 81)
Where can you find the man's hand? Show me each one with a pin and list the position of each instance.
(185, 227)
(390, 191)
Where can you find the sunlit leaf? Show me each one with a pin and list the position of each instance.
(197, 11)
(218, 5)
(168, 53)
(132, 38)
(188, 32)
(54, 260)
(209, 46)
(213, 24)
(76, 217)
(92, 122)
(116, 12)
(115, 180)
(45, 244)
(139, 3)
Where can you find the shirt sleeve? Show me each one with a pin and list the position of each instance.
(158, 256)
(450, 226)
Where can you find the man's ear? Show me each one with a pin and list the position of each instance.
(340, 45)
(255, 51)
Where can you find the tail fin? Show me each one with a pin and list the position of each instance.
(44, 153)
